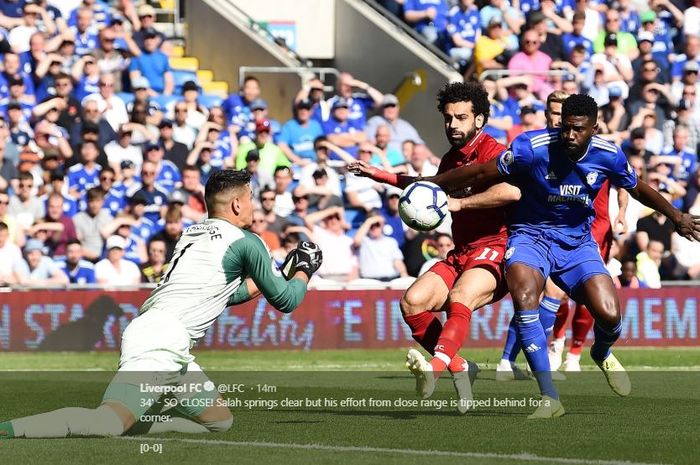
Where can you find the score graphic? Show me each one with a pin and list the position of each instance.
(146, 448)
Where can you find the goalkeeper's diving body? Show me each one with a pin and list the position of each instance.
(216, 263)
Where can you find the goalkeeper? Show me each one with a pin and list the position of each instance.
(216, 263)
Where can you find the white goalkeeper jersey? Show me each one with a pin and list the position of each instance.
(207, 271)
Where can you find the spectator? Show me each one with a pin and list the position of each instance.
(95, 128)
(39, 270)
(127, 173)
(510, 19)
(428, 17)
(341, 130)
(574, 38)
(692, 54)
(31, 15)
(90, 222)
(147, 18)
(358, 104)
(628, 277)
(321, 194)
(63, 102)
(167, 174)
(174, 151)
(109, 105)
(648, 263)
(275, 222)
(687, 254)
(153, 270)
(115, 270)
(363, 193)
(383, 155)
(550, 39)
(236, 106)
(306, 179)
(155, 196)
(301, 210)
(443, 243)
(419, 164)
(682, 160)
(532, 59)
(182, 132)
(393, 225)
(123, 148)
(463, 27)
(271, 156)
(283, 186)
(259, 227)
(298, 135)
(25, 207)
(11, 261)
(172, 231)
(78, 270)
(142, 96)
(379, 255)
(339, 261)
(624, 41)
(114, 197)
(616, 66)
(400, 130)
(655, 227)
(192, 191)
(661, 45)
(492, 48)
(109, 59)
(15, 230)
(85, 175)
(58, 228)
(153, 65)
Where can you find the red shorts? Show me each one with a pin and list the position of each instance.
(487, 256)
(603, 237)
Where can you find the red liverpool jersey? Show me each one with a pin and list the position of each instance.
(483, 226)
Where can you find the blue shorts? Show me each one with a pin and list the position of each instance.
(568, 265)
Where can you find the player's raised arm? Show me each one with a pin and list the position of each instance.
(498, 195)
(687, 225)
(360, 168)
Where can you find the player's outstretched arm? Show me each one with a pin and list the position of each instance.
(360, 168)
(687, 225)
(474, 176)
(495, 196)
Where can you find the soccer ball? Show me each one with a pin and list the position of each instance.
(423, 206)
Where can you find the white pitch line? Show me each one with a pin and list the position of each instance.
(431, 453)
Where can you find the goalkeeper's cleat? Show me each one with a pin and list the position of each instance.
(6, 430)
(463, 381)
(423, 371)
(549, 408)
(616, 375)
(558, 376)
(572, 362)
(555, 352)
(509, 371)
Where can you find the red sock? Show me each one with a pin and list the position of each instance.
(457, 364)
(580, 326)
(560, 323)
(425, 329)
(453, 334)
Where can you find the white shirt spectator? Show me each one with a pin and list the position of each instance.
(11, 260)
(117, 154)
(46, 270)
(377, 257)
(306, 178)
(26, 213)
(124, 274)
(338, 257)
(284, 204)
(184, 134)
(428, 169)
(686, 252)
(19, 38)
(113, 110)
(364, 187)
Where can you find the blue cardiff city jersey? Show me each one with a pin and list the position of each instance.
(558, 194)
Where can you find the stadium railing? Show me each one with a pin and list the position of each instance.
(501, 73)
(301, 71)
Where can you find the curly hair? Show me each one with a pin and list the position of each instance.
(474, 92)
(580, 105)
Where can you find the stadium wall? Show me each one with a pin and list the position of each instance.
(93, 320)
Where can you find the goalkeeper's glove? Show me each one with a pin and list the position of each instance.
(307, 257)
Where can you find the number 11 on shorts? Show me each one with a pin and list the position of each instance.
(488, 254)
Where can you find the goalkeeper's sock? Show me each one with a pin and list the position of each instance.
(452, 336)
(559, 330)
(511, 348)
(580, 326)
(177, 425)
(70, 421)
(534, 344)
(425, 329)
(604, 339)
(548, 314)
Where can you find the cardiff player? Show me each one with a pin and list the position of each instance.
(559, 173)
(216, 263)
(471, 275)
(554, 307)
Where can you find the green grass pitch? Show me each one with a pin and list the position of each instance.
(658, 423)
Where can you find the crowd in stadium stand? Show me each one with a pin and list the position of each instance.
(104, 152)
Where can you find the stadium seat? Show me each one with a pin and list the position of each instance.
(180, 77)
(184, 63)
(178, 51)
(219, 88)
(205, 75)
(210, 100)
(164, 100)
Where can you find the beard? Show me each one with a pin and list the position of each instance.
(459, 139)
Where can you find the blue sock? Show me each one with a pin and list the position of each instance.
(604, 339)
(511, 349)
(534, 344)
(548, 313)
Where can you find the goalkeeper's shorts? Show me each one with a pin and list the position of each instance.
(156, 363)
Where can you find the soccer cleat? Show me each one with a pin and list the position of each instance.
(508, 371)
(558, 376)
(423, 371)
(548, 408)
(555, 353)
(463, 381)
(572, 362)
(616, 375)
(6, 430)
